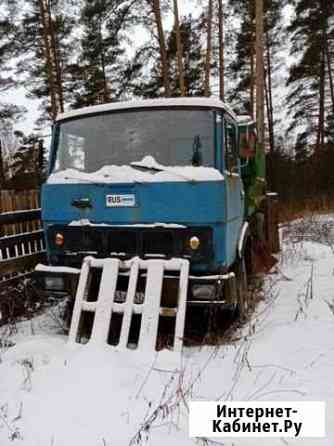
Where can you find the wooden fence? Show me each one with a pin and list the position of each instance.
(21, 236)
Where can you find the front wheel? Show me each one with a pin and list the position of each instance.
(242, 287)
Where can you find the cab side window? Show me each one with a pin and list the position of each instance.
(231, 158)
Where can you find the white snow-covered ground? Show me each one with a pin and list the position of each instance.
(51, 394)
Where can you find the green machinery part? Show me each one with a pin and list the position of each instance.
(253, 166)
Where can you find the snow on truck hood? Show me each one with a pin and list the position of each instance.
(155, 173)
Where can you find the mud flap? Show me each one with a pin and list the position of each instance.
(150, 309)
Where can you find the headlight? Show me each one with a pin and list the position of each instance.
(194, 243)
(59, 239)
(203, 292)
(54, 283)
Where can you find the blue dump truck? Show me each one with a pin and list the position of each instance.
(158, 179)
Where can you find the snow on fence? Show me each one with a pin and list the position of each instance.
(21, 235)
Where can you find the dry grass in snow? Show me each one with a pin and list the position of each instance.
(51, 394)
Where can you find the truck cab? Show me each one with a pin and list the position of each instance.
(154, 179)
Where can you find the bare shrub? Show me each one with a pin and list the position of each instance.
(330, 306)
(27, 368)
(22, 300)
(14, 432)
(306, 295)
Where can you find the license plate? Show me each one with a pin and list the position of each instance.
(120, 201)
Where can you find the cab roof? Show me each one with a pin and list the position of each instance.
(149, 103)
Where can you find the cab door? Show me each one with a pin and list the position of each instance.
(234, 188)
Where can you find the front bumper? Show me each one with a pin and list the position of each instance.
(209, 290)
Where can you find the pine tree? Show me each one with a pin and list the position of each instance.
(330, 129)
(156, 10)
(8, 30)
(179, 46)
(9, 113)
(97, 74)
(302, 152)
(151, 84)
(192, 31)
(221, 47)
(43, 47)
(260, 74)
(244, 65)
(208, 54)
(273, 43)
(7, 33)
(310, 77)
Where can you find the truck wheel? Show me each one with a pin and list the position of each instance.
(230, 311)
(242, 287)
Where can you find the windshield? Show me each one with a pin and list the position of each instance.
(172, 137)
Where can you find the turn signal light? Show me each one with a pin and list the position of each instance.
(194, 243)
(59, 239)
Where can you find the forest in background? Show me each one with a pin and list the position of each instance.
(74, 53)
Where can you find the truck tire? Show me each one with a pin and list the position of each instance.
(242, 287)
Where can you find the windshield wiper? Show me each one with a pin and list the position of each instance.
(148, 163)
(140, 166)
(196, 159)
(98, 180)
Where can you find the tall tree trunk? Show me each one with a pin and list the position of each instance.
(321, 119)
(270, 98)
(106, 95)
(252, 81)
(179, 48)
(330, 74)
(221, 50)
(56, 63)
(269, 160)
(48, 58)
(162, 47)
(259, 72)
(267, 101)
(208, 51)
(252, 61)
